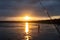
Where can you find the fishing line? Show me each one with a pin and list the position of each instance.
(45, 9)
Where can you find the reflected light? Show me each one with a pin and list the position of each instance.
(26, 29)
(27, 37)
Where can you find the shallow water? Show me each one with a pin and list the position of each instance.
(16, 31)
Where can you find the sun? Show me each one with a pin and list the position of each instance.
(27, 18)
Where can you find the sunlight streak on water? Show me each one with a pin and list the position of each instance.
(26, 28)
(27, 37)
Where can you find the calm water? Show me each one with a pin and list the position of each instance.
(28, 31)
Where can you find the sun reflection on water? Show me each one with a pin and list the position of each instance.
(27, 37)
(27, 31)
(26, 28)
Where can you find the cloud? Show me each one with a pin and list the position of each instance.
(12, 7)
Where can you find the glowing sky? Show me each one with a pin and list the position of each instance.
(18, 8)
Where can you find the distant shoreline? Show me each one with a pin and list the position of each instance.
(54, 21)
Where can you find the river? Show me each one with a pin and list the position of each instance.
(28, 31)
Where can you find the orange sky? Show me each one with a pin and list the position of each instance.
(23, 19)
